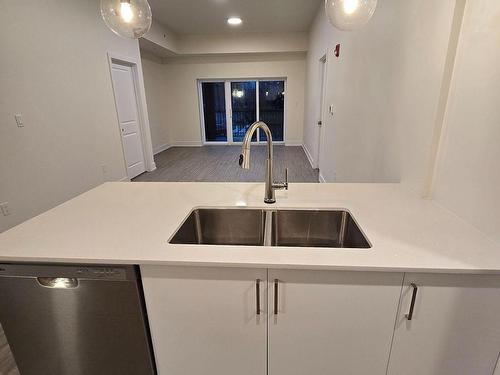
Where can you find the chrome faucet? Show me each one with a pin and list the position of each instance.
(271, 186)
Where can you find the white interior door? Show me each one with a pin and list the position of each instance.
(207, 321)
(128, 117)
(331, 322)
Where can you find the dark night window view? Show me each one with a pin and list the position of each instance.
(244, 106)
(249, 101)
(272, 106)
(214, 111)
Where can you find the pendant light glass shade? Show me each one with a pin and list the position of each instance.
(127, 18)
(349, 15)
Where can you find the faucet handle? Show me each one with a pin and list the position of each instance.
(282, 185)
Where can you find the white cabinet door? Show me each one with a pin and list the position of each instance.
(455, 328)
(331, 322)
(204, 320)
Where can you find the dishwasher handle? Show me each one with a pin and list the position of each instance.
(58, 282)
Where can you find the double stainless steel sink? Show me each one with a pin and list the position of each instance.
(271, 227)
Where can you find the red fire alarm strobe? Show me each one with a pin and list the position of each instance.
(337, 50)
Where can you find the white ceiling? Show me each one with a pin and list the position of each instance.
(209, 16)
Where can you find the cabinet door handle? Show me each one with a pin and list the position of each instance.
(276, 287)
(409, 316)
(257, 296)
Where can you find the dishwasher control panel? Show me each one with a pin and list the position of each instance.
(92, 272)
(102, 272)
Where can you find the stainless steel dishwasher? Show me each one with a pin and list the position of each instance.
(75, 320)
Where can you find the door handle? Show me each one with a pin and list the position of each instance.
(409, 316)
(320, 123)
(257, 296)
(276, 288)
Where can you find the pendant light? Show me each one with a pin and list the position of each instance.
(127, 18)
(349, 15)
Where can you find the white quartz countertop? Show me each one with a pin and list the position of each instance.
(121, 222)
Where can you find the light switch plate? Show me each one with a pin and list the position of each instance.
(4, 207)
(19, 120)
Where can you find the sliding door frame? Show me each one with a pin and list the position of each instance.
(229, 109)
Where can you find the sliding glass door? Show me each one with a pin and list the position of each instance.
(272, 108)
(214, 111)
(244, 108)
(229, 107)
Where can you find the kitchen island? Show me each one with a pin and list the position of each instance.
(424, 299)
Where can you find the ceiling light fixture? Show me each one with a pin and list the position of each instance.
(234, 21)
(127, 18)
(349, 15)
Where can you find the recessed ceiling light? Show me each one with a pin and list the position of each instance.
(234, 21)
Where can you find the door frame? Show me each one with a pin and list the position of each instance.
(142, 109)
(229, 121)
(323, 77)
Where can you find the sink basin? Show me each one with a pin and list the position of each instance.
(293, 228)
(316, 228)
(219, 226)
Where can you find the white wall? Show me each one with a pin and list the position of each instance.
(385, 88)
(54, 71)
(181, 91)
(156, 85)
(467, 179)
(243, 43)
(163, 41)
(162, 37)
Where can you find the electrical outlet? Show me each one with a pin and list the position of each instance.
(104, 169)
(5, 208)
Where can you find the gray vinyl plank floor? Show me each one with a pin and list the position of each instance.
(220, 164)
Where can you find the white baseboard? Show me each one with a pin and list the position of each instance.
(161, 148)
(309, 156)
(321, 178)
(125, 179)
(187, 144)
(293, 143)
(199, 144)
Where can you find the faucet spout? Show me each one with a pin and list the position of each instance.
(244, 161)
